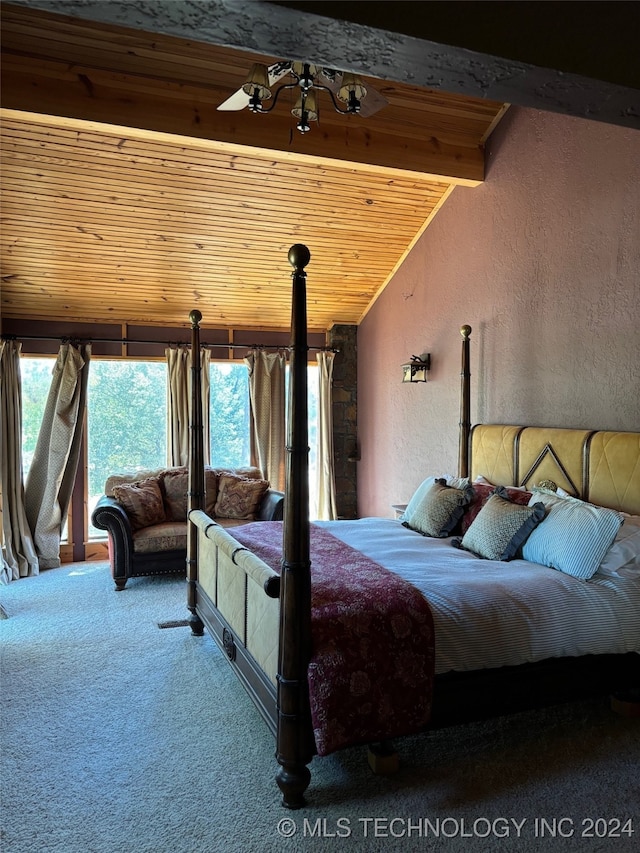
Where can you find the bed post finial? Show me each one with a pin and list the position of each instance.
(295, 746)
(299, 256)
(465, 405)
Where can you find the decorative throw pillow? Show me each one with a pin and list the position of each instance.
(239, 497)
(437, 508)
(128, 477)
(142, 502)
(481, 494)
(501, 527)
(574, 537)
(211, 482)
(175, 484)
(425, 485)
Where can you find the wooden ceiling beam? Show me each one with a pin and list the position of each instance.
(55, 88)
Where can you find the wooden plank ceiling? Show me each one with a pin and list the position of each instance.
(128, 198)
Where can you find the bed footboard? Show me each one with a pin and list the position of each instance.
(238, 599)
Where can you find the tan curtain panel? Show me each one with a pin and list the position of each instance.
(18, 551)
(55, 460)
(267, 398)
(179, 404)
(326, 469)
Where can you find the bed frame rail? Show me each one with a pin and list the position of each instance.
(238, 598)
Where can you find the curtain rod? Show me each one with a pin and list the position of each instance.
(65, 338)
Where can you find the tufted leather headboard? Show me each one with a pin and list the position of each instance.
(597, 466)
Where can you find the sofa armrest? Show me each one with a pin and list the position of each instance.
(109, 515)
(272, 506)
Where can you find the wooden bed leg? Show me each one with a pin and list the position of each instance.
(196, 624)
(293, 781)
(383, 758)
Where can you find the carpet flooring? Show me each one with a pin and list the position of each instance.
(119, 735)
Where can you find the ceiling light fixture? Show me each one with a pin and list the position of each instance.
(310, 80)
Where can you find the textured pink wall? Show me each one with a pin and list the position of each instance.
(543, 261)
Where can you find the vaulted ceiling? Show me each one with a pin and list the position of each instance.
(128, 197)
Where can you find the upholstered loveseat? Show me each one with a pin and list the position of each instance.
(145, 515)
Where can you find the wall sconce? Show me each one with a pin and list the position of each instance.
(417, 369)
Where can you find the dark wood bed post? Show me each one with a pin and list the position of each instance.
(294, 748)
(196, 470)
(465, 405)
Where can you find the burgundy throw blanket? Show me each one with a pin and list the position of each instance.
(372, 657)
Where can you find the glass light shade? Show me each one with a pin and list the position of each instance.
(417, 370)
(298, 69)
(258, 79)
(310, 105)
(351, 83)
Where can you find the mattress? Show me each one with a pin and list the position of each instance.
(490, 614)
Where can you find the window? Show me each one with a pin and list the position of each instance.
(229, 414)
(126, 421)
(35, 374)
(313, 393)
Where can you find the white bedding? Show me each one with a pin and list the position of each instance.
(491, 614)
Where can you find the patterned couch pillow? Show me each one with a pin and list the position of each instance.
(211, 482)
(249, 471)
(142, 502)
(239, 497)
(175, 484)
(501, 527)
(436, 509)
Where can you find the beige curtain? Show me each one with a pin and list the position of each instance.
(18, 551)
(55, 460)
(326, 470)
(179, 404)
(266, 394)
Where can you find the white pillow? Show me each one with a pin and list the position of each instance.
(574, 537)
(624, 554)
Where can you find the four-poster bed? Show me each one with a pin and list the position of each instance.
(293, 603)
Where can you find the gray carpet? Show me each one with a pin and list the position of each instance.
(119, 735)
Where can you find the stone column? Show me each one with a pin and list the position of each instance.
(345, 418)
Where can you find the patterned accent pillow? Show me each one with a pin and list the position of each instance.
(175, 484)
(436, 509)
(175, 487)
(249, 471)
(142, 502)
(482, 493)
(239, 497)
(501, 527)
(211, 482)
(575, 535)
